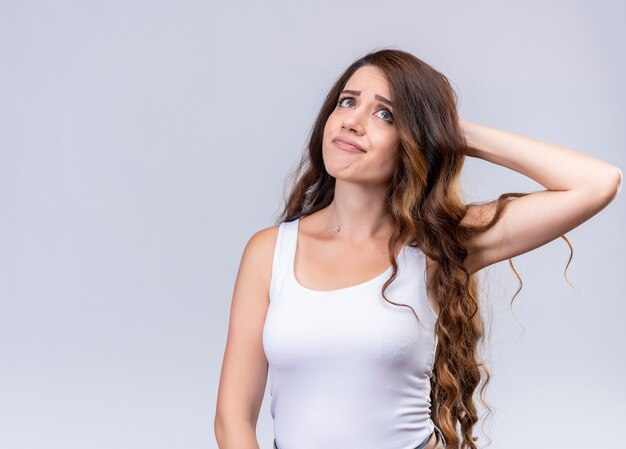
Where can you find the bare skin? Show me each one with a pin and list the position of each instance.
(323, 263)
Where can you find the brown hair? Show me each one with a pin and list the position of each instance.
(425, 206)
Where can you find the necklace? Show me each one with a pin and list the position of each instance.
(335, 227)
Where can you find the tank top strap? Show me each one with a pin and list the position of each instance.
(284, 252)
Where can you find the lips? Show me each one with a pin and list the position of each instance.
(348, 144)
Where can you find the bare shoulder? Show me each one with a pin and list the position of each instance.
(258, 255)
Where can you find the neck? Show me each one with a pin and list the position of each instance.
(357, 212)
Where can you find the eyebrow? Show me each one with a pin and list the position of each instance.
(378, 97)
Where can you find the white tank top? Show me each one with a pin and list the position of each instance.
(347, 369)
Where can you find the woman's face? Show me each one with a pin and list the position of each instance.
(364, 116)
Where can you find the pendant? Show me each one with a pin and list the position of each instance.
(337, 228)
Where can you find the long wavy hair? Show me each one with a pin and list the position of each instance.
(425, 206)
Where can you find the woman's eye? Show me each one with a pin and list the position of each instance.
(342, 99)
(389, 114)
(389, 118)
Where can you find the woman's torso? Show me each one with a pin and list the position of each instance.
(347, 368)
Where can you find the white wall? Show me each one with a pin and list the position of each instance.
(143, 142)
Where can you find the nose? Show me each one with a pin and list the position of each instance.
(353, 120)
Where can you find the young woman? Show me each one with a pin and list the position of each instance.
(362, 303)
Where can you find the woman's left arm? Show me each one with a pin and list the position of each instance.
(578, 186)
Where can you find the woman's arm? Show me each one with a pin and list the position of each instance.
(578, 186)
(245, 367)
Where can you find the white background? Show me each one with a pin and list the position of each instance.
(143, 142)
